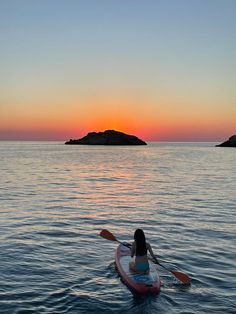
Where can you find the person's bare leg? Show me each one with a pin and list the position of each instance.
(132, 266)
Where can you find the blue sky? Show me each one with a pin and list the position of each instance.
(183, 50)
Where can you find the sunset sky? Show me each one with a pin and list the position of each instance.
(161, 69)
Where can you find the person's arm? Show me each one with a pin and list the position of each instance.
(151, 252)
(132, 249)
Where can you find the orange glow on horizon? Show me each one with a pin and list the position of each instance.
(145, 118)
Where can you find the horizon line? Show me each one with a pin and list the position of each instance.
(150, 141)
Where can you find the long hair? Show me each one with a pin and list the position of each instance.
(140, 241)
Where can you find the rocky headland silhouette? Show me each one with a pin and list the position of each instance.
(108, 137)
(231, 142)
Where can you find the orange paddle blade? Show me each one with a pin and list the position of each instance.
(107, 235)
(182, 277)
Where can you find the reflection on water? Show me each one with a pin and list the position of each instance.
(55, 199)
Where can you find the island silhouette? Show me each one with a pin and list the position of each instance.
(108, 137)
(231, 142)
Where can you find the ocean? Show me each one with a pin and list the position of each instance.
(56, 198)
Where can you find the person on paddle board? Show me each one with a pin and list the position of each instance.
(139, 249)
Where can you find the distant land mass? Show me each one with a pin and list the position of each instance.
(108, 137)
(230, 143)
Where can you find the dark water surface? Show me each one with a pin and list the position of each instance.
(55, 199)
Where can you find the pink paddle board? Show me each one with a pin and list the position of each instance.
(141, 283)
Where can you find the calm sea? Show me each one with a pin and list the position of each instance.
(55, 199)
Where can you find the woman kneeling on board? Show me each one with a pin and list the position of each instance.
(140, 248)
